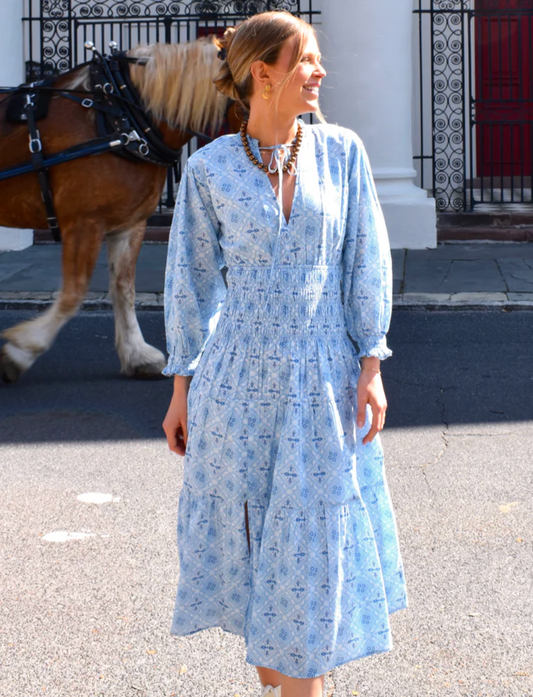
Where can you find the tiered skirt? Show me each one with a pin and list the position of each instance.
(286, 530)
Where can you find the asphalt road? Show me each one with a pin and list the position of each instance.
(90, 615)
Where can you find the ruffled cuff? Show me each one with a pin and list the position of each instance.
(181, 361)
(178, 367)
(374, 346)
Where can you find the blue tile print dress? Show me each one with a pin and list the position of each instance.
(272, 405)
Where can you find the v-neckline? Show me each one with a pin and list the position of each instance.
(254, 143)
(286, 222)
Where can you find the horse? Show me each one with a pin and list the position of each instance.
(105, 196)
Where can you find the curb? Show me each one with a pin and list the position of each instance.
(25, 300)
(507, 306)
(464, 301)
(150, 302)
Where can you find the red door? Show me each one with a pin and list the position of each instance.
(504, 92)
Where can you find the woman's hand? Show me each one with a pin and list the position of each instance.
(370, 391)
(175, 423)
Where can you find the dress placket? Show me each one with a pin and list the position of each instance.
(280, 155)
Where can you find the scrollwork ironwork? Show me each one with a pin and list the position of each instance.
(448, 104)
(449, 5)
(59, 20)
(56, 9)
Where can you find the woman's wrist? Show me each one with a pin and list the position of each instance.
(181, 383)
(371, 363)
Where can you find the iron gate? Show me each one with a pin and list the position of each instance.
(55, 31)
(474, 136)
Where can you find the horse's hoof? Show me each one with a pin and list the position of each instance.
(148, 372)
(145, 365)
(9, 370)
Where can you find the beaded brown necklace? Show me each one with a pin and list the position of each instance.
(296, 147)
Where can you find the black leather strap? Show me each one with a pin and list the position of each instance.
(113, 72)
(158, 150)
(96, 146)
(36, 150)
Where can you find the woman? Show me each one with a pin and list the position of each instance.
(286, 533)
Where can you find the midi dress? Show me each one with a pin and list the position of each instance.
(273, 347)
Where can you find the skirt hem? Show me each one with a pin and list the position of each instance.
(250, 660)
(327, 668)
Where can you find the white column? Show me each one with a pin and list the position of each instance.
(367, 47)
(11, 74)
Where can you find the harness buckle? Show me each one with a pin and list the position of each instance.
(52, 223)
(143, 148)
(87, 103)
(35, 144)
(131, 137)
(108, 88)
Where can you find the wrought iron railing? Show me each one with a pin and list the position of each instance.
(474, 131)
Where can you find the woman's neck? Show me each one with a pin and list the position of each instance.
(270, 130)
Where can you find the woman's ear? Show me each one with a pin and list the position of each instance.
(260, 73)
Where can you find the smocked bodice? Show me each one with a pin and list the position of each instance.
(300, 300)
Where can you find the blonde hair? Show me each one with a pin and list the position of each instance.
(260, 37)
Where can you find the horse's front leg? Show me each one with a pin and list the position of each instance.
(137, 358)
(28, 340)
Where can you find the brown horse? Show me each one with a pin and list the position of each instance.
(105, 196)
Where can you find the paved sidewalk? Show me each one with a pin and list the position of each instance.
(465, 276)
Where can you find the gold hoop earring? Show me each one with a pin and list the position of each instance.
(266, 92)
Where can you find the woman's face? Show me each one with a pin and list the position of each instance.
(300, 94)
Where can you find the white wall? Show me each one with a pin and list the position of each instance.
(368, 52)
(12, 73)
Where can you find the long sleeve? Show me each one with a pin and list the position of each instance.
(194, 286)
(366, 262)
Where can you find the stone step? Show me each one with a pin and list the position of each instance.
(501, 225)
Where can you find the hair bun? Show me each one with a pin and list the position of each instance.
(228, 37)
(224, 81)
(224, 42)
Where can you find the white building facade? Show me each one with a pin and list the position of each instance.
(12, 73)
(370, 54)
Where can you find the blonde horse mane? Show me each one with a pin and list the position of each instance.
(176, 83)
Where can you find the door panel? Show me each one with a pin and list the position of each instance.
(504, 93)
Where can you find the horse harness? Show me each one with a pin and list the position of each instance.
(123, 124)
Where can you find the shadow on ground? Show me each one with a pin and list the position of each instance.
(447, 367)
